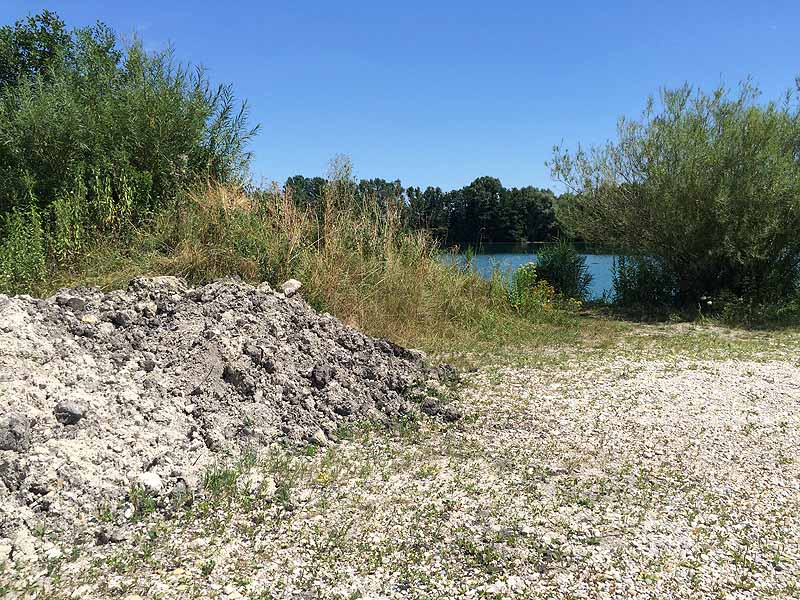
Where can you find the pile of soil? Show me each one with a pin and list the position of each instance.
(149, 386)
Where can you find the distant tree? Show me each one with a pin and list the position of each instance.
(380, 191)
(305, 190)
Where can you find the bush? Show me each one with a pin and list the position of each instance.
(95, 137)
(560, 265)
(640, 282)
(709, 185)
(22, 254)
(738, 311)
(356, 260)
(527, 293)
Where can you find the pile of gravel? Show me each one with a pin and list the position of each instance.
(148, 387)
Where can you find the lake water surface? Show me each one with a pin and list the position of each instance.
(599, 266)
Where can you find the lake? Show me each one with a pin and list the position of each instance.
(510, 257)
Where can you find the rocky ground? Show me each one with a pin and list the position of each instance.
(109, 401)
(620, 474)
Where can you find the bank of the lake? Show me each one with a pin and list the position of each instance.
(507, 258)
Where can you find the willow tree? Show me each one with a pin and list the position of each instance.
(707, 184)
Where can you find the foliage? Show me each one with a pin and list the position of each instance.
(527, 293)
(482, 212)
(565, 269)
(709, 185)
(22, 259)
(31, 48)
(355, 259)
(738, 311)
(95, 137)
(641, 281)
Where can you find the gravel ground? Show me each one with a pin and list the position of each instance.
(603, 477)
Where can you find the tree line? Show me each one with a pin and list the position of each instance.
(482, 212)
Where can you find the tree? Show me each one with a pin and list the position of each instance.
(709, 185)
(305, 190)
(33, 47)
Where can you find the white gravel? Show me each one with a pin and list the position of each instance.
(597, 478)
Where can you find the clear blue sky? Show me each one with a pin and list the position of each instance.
(438, 93)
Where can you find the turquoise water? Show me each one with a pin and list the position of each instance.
(599, 266)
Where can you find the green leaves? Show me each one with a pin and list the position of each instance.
(103, 136)
(709, 184)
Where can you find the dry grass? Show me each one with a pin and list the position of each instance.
(354, 257)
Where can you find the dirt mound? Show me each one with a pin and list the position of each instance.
(101, 393)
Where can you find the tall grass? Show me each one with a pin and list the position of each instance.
(355, 258)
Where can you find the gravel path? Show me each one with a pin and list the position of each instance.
(612, 478)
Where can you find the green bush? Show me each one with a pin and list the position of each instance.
(22, 251)
(95, 137)
(709, 185)
(565, 269)
(641, 282)
(527, 293)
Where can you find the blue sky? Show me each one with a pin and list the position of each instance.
(438, 93)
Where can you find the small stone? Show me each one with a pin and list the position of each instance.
(147, 364)
(148, 309)
(319, 438)
(122, 318)
(24, 548)
(113, 535)
(151, 482)
(5, 550)
(434, 407)
(90, 319)
(321, 376)
(15, 432)
(290, 287)
(74, 303)
(68, 412)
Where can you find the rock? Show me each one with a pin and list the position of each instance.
(321, 375)
(148, 309)
(123, 318)
(5, 550)
(23, 546)
(434, 407)
(13, 472)
(68, 412)
(290, 287)
(214, 372)
(150, 482)
(111, 535)
(74, 303)
(180, 493)
(15, 432)
(319, 438)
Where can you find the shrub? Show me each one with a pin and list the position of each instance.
(527, 293)
(22, 253)
(640, 282)
(565, 269)
(738, 311)
(97, 137)
(709, 184)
